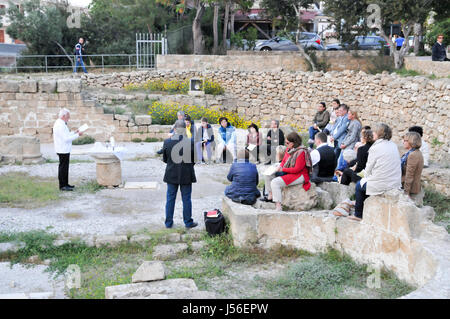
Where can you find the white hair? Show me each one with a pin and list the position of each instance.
(349, 155)
(63, 112)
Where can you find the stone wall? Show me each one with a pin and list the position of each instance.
(394, 234)
(426, 66)
(292, 97)
(273, 61)
(30, 107)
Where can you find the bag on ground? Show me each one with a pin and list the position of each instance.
(214, 222)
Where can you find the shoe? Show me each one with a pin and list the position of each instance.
(194, 224)
(159, 152)
(66, 189)
(268, 162)
(266, 200)
(70, 186)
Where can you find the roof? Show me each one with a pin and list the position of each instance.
(11, 49)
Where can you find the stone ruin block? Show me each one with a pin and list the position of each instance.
(297, 199)
(143, 120)
(24, 149)
(47, 86)
(69, 85)
(28, 86)
(9, 86)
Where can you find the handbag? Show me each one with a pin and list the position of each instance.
(215, 223)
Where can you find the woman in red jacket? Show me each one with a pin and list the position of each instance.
(295, 169)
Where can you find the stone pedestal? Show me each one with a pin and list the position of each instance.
(23, 149)
(109, 172)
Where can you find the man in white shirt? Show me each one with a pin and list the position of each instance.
(62, 139)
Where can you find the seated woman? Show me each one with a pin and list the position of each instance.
(254, 140)
(204, 139)
(383, 169)
(244, 180)
(353, 132)
(280, 152)
(412, 164)
(350, 174)
(226, 140)
(295, 168)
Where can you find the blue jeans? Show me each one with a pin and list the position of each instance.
(79, 62)
(360, 194)
(199, 149)
(312, 133)
(186, 191)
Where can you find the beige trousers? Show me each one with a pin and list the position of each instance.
(276, 185)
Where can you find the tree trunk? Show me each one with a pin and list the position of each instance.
(215, 28)
(299, 46)
(399, 56)
(196, 28)
(232, 14)
(417, 38)
(225, 25)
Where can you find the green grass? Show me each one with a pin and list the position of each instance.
(140, 107)
(404, 72)
(330, 275)
(441, 205)
(21, 189)
(86, 139)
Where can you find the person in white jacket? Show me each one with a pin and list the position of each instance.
(383, 169)
(62, 139)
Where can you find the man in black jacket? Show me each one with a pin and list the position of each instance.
(323, 160)
(178, 154)
(439, 51)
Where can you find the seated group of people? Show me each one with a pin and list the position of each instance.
(361, 155)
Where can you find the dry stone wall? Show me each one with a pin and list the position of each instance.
(292, 97)
(30, 107)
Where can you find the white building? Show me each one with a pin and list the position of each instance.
(4, 37)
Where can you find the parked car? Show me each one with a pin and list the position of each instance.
(306, 39)
(362, 43)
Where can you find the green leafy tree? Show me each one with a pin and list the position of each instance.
(442, 27)
(360, 16)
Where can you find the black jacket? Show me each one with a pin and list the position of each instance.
(438, 52)
(361, 157)
(274, 141)
(178, 154)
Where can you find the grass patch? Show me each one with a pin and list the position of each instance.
(140, 107)
(441, 205)
(404, 72)
(83, 140)
(136, 140)
(19, 189)
(89, 187)
(330, 275)
(152, 140)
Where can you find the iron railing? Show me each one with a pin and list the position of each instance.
(48, 63)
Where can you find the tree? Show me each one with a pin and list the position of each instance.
(359, 16)
(290, 10)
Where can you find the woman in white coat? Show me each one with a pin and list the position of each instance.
(383, 169)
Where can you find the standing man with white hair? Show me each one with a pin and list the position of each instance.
(62, 139)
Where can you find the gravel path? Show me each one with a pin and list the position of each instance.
(113, 211)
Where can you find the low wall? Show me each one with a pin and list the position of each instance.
(291, 97)
(424, 65)
(266, 61)
(394, 234)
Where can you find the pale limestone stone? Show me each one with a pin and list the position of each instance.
(28, 86)
(25, 149)
(149, 271)
(9, 86)
(296, 198)
(325, 201)
(147, 289)
(140, 239)
(109, 174)
(143, 119)
(338, 192)
(69, 85)
(110, 240)
(166, 252)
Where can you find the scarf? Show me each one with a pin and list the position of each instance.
(294, 154)
(405, 157)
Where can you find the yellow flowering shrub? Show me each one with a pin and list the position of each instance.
(166, 114)
(174, 86)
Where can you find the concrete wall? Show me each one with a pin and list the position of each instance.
(426, 66)
(266, 61)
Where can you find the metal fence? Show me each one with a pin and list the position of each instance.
(148, 45)
(47, 63)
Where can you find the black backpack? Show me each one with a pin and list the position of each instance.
(215, 223)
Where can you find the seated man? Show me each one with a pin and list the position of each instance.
(323, 160)
(244, 180)
(321, 119)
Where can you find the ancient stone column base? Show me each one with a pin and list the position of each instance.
(109, 174)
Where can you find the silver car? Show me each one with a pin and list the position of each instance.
(306, 39)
